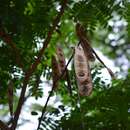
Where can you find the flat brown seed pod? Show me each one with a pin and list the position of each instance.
(55, 72)
(61, 60)
(62, 66)
(61, 57)
(82, 71)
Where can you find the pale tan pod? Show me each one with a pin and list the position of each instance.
(82, 71)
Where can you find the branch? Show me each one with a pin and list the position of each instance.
(3, 126)
(35, 64)
(108, 69)
(48, 98)
(7, 39)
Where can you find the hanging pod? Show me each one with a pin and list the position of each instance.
(55, 71)
(62, 67)
(58, 68)
(85, 43)
(61, 60)
(82, 71)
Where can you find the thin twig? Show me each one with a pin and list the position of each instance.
(68, 83)
(80, 109)
(79, 100)
(45, 106)
(35, 64)
(109, 70)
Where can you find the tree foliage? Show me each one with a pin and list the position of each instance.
(107, 108)
(30, 30)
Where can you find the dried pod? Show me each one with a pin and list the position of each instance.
(10, 97)
(55, 72)
(62, 65)
(82, 71)
(84, 42)
(61, 58)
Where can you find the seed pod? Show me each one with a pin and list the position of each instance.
(61, 60)
(84, 42)
(62, 65)
(55, 72)
(82, 71)
(10, 97)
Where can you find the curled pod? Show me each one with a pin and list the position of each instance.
(82, 71)
(55, 72)
(85, 43)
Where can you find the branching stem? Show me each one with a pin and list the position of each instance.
(33, 67)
